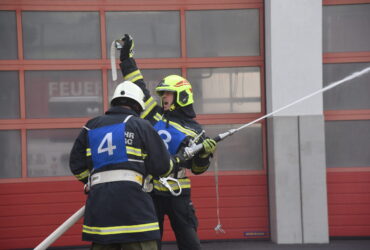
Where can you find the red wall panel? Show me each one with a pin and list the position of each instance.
(243, 207)
(349, 203)
(29, 212)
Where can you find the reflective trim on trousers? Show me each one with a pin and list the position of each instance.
(121, 229)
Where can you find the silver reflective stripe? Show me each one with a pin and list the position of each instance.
(116, 175)
(134, 151)
(127, 118)
(121, 229)
(136, 160)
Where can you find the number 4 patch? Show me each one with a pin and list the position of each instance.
(107, 140)
(108, 145)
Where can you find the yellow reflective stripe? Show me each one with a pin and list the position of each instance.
(88, 152)
(205, 155)
(149, 106)
(184, 183)
(174, 187)
(182, 129)
(139, 179)
(149, 101)
(199, 169)
(83, 175)
(189, 132)
(134, 76)
(134, 151)
(169, 170)
(157, 117)
(121, 229)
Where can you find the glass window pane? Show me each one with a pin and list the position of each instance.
(346, 28)
(61, 35)
(156, 33)
(48, 151)
(52, 94)
(8, 37)
(10, 154)
(212, 33)
(347, 143)
(226, 90)
(238, 152)
(350, 95)
(9, 95)
(151, 76)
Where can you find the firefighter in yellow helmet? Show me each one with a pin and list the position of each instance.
(174, 121)
(180, 87)
(112, 156)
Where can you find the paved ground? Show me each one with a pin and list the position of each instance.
(357, 244)
(267, 245)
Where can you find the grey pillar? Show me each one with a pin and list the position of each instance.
(313, 179)
(296, 142)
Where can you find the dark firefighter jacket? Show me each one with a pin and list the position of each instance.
(119, 212)
(179, 120)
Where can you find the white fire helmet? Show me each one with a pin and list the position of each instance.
(129, 90)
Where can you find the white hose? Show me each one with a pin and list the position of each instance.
(113, 60)
(330, 86)
(61, 229)
(218, 228)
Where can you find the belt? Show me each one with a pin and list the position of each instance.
(116, 175)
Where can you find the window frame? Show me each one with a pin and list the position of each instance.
(346, 57)
(102, 64)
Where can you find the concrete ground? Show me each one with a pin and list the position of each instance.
(337, 244)
(267, 245)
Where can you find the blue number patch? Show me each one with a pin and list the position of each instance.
(108, 145)
(170, 136)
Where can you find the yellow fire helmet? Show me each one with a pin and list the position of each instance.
(179, 85)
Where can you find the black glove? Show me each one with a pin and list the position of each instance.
(127, 50)
(178, 158)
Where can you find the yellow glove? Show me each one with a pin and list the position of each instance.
(209, 147)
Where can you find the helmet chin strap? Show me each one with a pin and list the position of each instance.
(172, 107)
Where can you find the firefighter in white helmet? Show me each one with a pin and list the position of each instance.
(174, 121)
(112, 155)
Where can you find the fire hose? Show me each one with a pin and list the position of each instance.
(61, 229)
(189, 152)
(192, 150)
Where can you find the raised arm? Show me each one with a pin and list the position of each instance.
(131, 73)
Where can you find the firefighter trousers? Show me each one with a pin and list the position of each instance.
(181, 214)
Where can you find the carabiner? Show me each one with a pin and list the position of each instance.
(164, 182)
